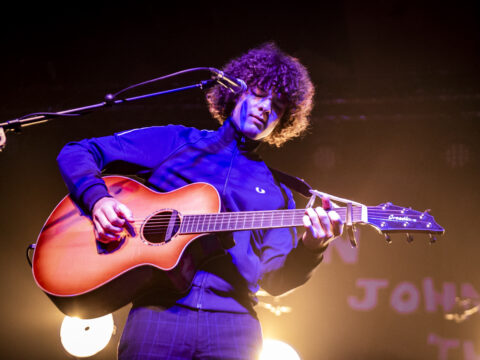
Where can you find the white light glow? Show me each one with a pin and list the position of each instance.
(86, 337)
(277, 350)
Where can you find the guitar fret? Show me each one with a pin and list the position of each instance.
(201, 225)
(184, 223)
(225, 223)
(192, 220)
(245, 221)
(191, 223)
(209, 217)
(194, 223)
(251, 221)
(220, 224)
(197, 225)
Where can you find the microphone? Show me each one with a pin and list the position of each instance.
(235, 85)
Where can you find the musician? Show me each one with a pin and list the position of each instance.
(215, 318)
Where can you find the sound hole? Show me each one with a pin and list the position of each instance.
(162, 226)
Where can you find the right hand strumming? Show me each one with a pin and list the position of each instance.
(109, 218)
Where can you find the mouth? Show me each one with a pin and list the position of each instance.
(258, 121)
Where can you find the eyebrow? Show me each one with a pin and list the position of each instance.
(259, 91)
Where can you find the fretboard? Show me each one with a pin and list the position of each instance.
(249, 220)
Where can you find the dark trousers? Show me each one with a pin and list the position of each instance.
(179, 333)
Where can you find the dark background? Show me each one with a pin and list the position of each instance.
(396, 119)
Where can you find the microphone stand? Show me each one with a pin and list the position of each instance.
(38, 118)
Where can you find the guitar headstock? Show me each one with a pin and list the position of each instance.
(388, 218)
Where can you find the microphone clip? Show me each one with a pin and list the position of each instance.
(236, 86)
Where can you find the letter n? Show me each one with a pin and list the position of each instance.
(446, 298)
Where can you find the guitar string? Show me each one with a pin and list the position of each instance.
(282, 213)
(227, 220)
(271, 213)
(252, 222)
(149, 225)
(222, 218)
(228, 226)
(236, 221)
(162, 230)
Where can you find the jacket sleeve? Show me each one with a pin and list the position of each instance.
(134, 152)
(286, 263)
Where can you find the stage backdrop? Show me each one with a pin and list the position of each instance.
(396, 119)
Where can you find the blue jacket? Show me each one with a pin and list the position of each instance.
(172, 156)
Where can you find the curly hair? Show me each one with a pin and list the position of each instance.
(267, 67)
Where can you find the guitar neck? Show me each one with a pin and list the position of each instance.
(251, 220)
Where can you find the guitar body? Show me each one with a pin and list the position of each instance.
(87, 278)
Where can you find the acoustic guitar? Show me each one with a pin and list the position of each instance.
(165, 244)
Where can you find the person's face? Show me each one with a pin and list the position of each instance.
(257, 112)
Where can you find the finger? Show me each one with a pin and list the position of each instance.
(106, 224)
(336, 221)
(316, 224)
(106, 238)
(98, 229)
(307, 223)
(101, 235)
(124, 212)
(326, 203)
(113, 218)
(324, 221)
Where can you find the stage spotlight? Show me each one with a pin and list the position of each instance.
(277, 350)
(86, 337)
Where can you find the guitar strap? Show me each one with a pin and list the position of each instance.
(293, 182)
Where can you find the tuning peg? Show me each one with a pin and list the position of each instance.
(433, 239)
(426, 212)
(386, 205)
(409, 238)
(388, 239)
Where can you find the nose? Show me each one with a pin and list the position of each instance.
(265, 107)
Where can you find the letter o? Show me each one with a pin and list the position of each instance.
(405, 298)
